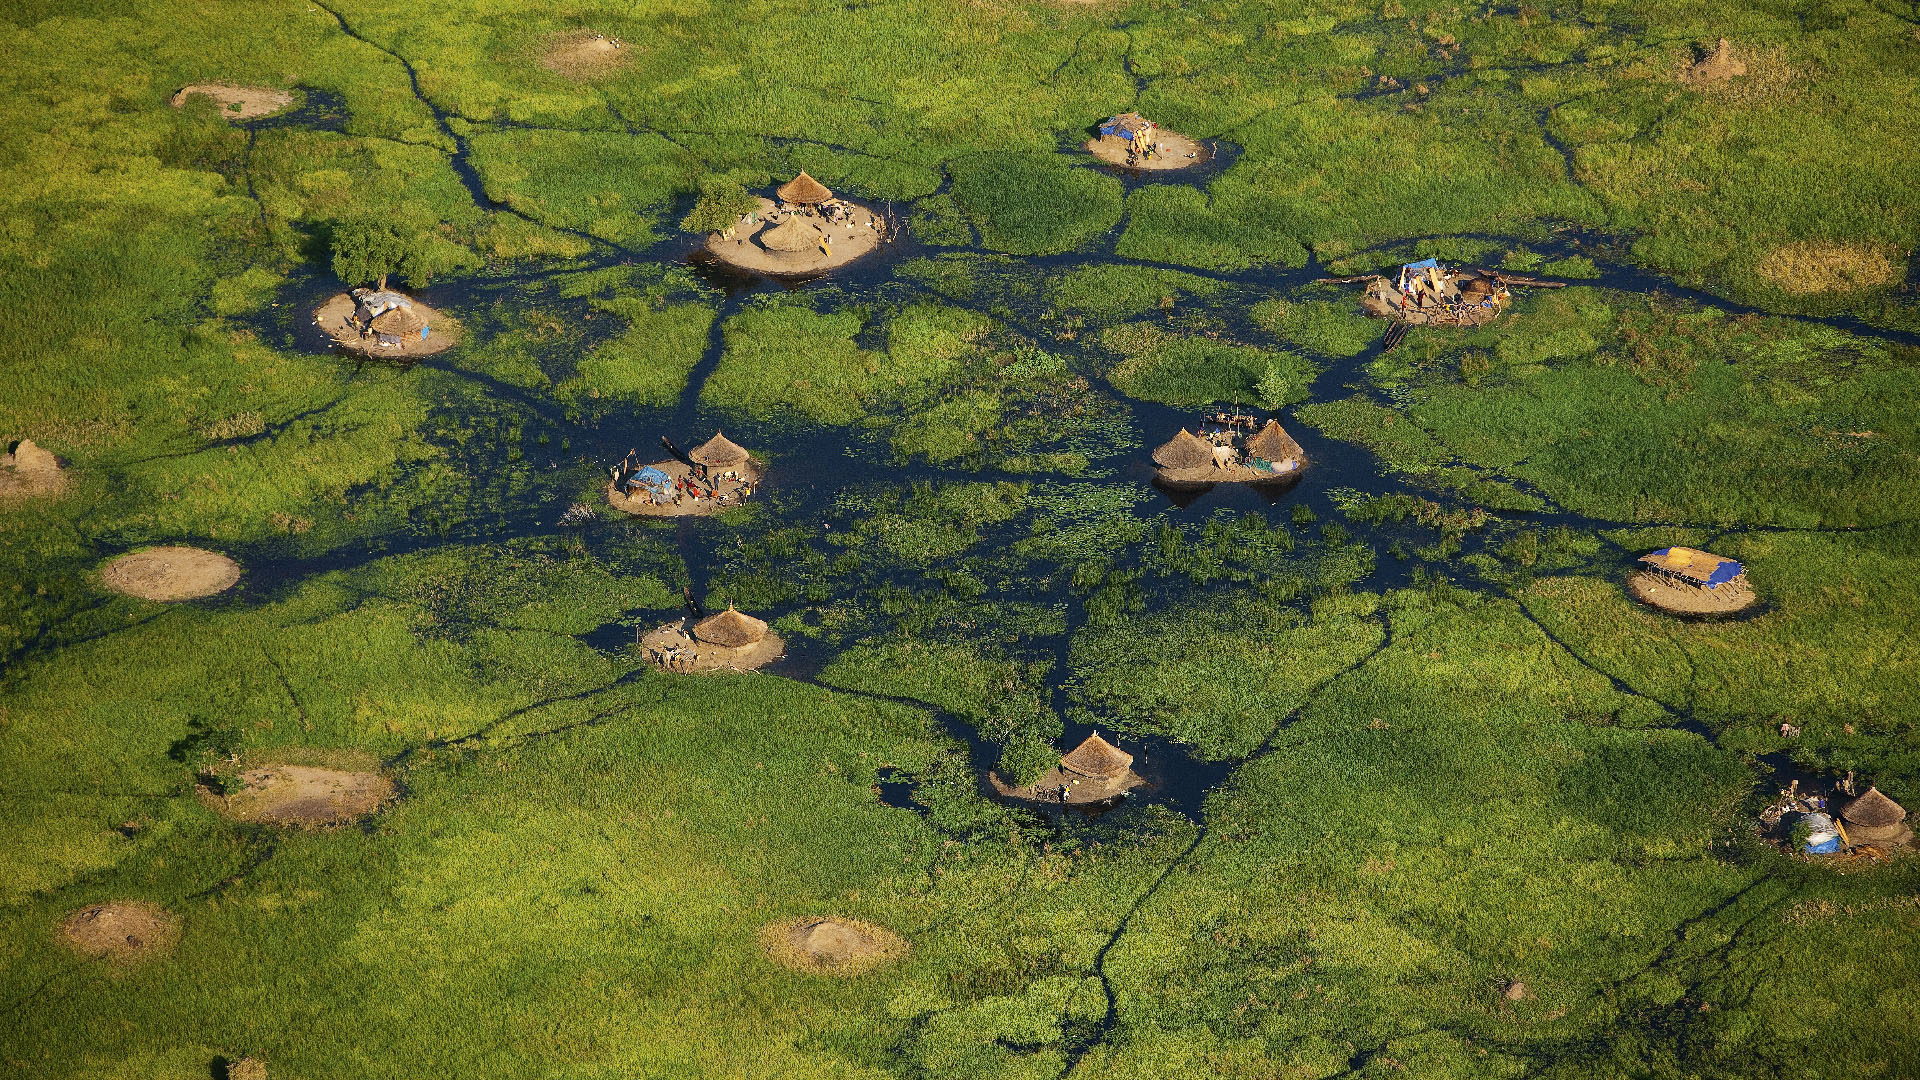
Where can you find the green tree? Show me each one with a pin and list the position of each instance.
(722, 201)
(366, 251)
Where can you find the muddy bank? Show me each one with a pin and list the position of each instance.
(272, 793)
(1176, 151)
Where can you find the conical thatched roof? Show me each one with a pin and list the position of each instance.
(790, 235)
(805, 190)
(1873, 810)
(730, 628)
(403, 320)
(719, 452)
(1184, 451)
(1097, 758)
(1273, 443)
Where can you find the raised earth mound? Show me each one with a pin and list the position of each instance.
(729, 641)
(1716, 65)
(685, 494)
(797, 242)
(237, 102)
(1176, 150)
(1813, 267)
(29, 471)
(335, 317)
(1657, 590)
(277, 794)
(122, 930)
(830, 946)
(585, 54)
(171, 573)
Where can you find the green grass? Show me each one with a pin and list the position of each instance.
(1034, 204)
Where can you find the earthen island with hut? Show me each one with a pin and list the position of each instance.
(728, 641)
(1687, 581)
(1132, 141)
(1426, 293)
(1094, 775)
(382, 322)
(809, 230)
(1229, 450)
(717, 475)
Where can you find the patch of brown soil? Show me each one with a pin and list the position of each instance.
(1208, 475)
(672, 648)
(247, 1068)
(1656, 590)
(28, 472)
(1176, 152)
(839, 243)
(1716, 65)
(728, 492)
(282, 794)
(336, 318)
(238, 102)
(171, 573)
(830, 946)
(1813, 267)
(125, 931)
(1062, 788)
(585, 54)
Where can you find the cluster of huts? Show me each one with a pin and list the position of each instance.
(388, 318)
(714, 476)
(807, 231)
(1093, 775)
(1228, 450)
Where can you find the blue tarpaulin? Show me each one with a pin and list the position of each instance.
(1725, 572)
(1423, 264)
(650, 478)
(1116, 129)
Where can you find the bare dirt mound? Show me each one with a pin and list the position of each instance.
(698, 498)
(1812, 267)
(29, 471)
(125, 931)
(830, 946)
(1657, 591)
(1176, 152)
(278, 794)
(673, 648)
(238, 102)
(1716, 65)
(585, 54)
(171, 573)
(827, 244)
(336, 318)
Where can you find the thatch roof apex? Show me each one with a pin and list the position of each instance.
(1274, 444)
(1874, 810)
(1184, 451)
(1097, 758)
(719, 452)
(730, 628)
(400, 320)
(804, 189)
(790, 235)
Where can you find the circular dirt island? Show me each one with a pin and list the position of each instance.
(124, 931)
(723, 489)
(729, 641)
(1229, 453)
(392, 335)
(303, 795)
(1659, 591)
(29, 472)
(171, 573)
(1176, 151)
(584, 54)
(830, 946)
(237, 102)
(798, 242)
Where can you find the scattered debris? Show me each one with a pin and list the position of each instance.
(585, 54)
(717, 475)
(578, 514)
(727, 641)
(808, 231)
(1425, 293)
(1132, 141)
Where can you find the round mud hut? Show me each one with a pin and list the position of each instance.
(807, 231)
(1132, 141)
(1875, 819)
(1095, 775)
(29, 471)
(1687, 581)
(384, 323)
(728, 641)
(717, 475)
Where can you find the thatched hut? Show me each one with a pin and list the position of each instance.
(1690, 566)
(1875, 819)
(1097, 759)
(790, 235)
(803, 190)
(730, 629)
(397, 326)
(1184, 451)
(1272, 443)
(720, 452)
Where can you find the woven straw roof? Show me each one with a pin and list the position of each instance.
(719, 452)
(804, 189)
(1873, 810)
(1273, 443)
(730, 628)
(1184, 451)
(402, 320)
(790, 235)
(1097, 758)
